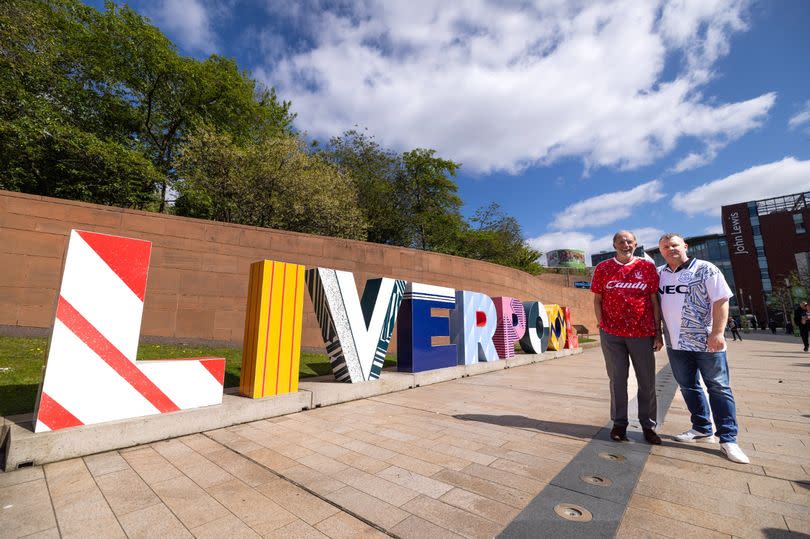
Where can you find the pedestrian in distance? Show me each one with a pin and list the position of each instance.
(798, 315)
(734, 328)
(625, 302)
(694, 308)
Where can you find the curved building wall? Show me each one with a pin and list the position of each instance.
(198, 274)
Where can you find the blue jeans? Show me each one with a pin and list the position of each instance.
(688, 368)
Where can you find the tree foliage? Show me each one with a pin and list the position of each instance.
(375, 171)
(71, 75)
(497, 237)
(272, 182)
(99, 106)
(428, 197)
(57, 136)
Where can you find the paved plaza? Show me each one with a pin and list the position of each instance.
(475, 457)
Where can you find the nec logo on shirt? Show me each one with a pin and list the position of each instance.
(673, 289)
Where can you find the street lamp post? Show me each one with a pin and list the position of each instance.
(751, 305)
(743, 319)
(790, 298)
(767, 313)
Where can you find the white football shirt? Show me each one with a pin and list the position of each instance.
(687, 295)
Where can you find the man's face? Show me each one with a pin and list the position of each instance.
(625, 244)
(673, 250)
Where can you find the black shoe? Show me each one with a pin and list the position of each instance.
(651, 437)
(618, 434)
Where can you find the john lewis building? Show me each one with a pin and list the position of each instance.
(767, 241)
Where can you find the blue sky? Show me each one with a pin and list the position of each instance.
(578, 118)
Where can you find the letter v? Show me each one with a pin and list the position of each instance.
(356, 332)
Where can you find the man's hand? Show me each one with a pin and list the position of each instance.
(716, 342)
(658, 342)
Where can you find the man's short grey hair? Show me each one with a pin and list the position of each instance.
(669, 235)
(620, 232)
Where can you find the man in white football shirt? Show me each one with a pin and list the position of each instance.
(694, 305)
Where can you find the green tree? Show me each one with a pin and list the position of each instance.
(375, 171)
(427, 195)
(496, 237)
(115, 82)
(273, 183)
(44, 148)
(131, 61)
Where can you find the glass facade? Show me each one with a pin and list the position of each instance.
(798, 223)
(762, 260)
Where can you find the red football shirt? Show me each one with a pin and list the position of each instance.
(627, 309)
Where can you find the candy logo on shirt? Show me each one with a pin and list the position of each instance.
(618, 284)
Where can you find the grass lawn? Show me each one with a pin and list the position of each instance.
(21, 361)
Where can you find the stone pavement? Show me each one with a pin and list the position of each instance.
(460, 458)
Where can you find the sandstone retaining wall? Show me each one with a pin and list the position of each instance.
(198, 274)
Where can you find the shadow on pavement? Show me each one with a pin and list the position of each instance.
(586, 432)
(776, 533)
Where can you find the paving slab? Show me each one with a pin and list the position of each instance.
(24, 447)
(470, 456)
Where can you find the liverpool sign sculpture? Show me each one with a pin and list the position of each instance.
(91, 374)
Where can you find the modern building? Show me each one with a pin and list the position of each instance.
(710, 247)
(596, 258)
(767, 243)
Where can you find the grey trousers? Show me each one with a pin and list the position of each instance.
(618, 352)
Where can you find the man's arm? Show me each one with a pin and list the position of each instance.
(717, 340)
(597, 309)
(658, 343)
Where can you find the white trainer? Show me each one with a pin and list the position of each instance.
(693, 435)
(734, 453)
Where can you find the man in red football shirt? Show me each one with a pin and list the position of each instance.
(626, 304)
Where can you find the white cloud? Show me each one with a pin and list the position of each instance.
(695, 160)
(801, 117)
(505, 85)
(714, 229)
(606, 208)
(692, 161)
(187, 21)
(646, 236)
(783, 177)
